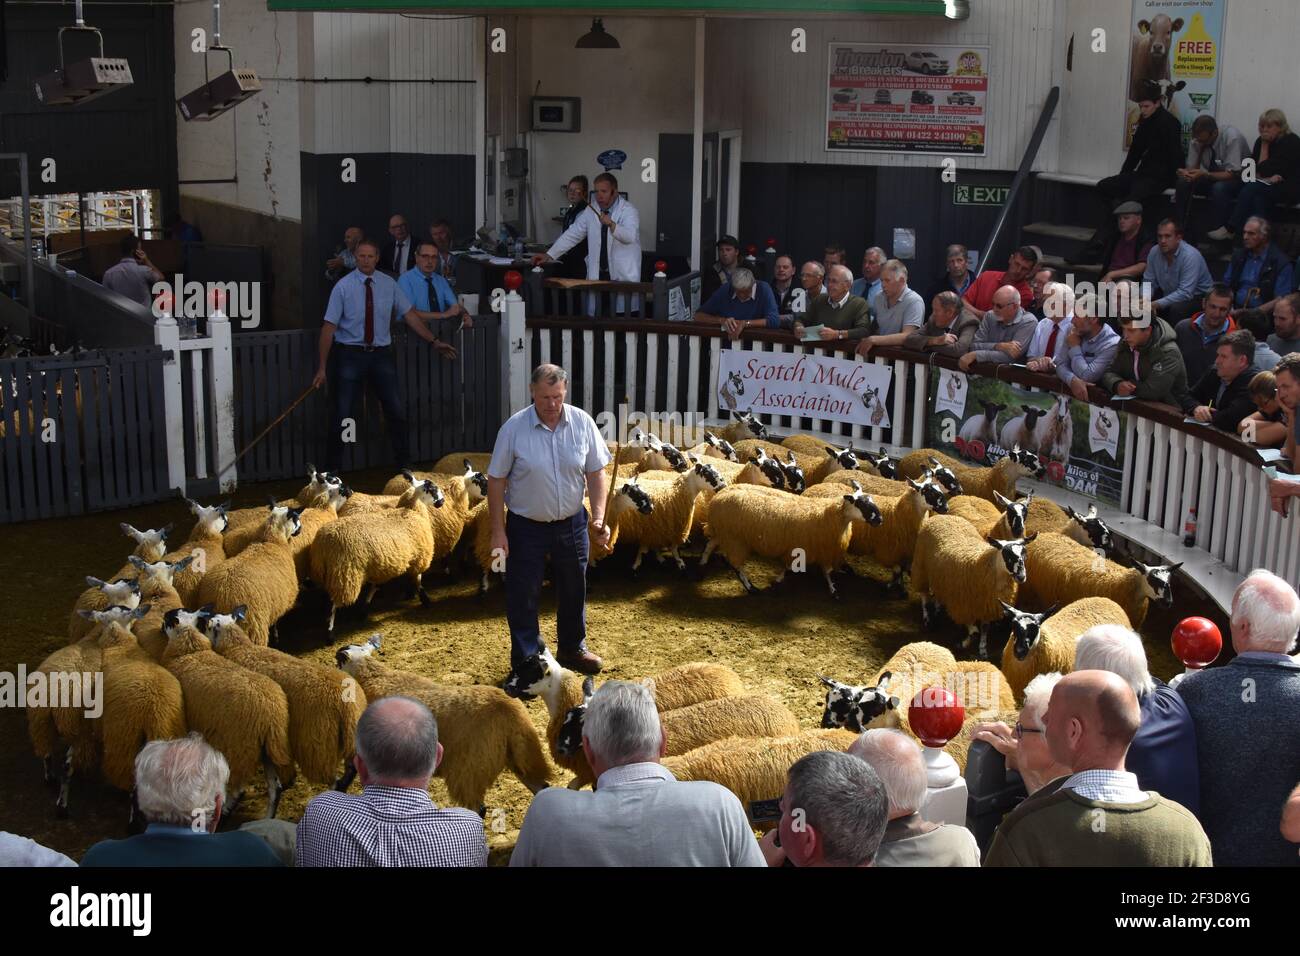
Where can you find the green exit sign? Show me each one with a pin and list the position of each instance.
(963, 195)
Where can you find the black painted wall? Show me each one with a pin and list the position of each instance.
(127, 139)
(421, 187)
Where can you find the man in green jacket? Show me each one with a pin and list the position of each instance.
(1148, 364)
(840, 314)
(1097, 816)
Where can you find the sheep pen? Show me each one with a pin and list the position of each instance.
(778, 646)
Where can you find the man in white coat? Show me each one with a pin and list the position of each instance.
(612, 227)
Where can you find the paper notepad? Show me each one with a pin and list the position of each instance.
(812, 333)
(1270, 454)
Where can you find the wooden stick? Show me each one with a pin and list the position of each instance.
(265, 431)
(613, 478)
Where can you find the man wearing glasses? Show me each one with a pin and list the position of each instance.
(1005, 332)
(1024, 746)
(428, 291)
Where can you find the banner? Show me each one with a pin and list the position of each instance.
(903, 98)
(809, 386)
(1179, 46)
(980, 419)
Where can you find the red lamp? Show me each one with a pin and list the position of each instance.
(513, 280)
(771, 245)
(661, 267)
(750, 250)
(1196, 642)
(935, 716)
(216, 301)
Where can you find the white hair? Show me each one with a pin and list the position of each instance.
(622, 724)
(1037, 693)
(1110, 647)
(875, 251)
(742, 279)
(844, 272)
(1058, 300)
(1015, 293)
(1271, 609)
(894, 267)
(897, 760)
(176, 781)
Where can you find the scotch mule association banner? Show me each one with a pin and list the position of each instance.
(809, 386)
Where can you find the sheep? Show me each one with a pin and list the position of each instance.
(372, 549)
(731, 389)
(746, 448)
(916, 463)
(983, 427)
(956, 569)
(483, 730)
(1022, 431)
(977, 480)
(332, 499)
(461, 493)
(1088, 529)
(263, 577)
(1043, 643)
(324, 704)
(204, 545)
(157, 590)
(794, 475)
(879, 463)
(471, 475)
(151, 545)
(806, 444)
(762, 469)
(816, 467)
(629, 497)
(244, 525)
(1013, 518)
(124, 592)
(457, 462)
(243, 714)
(1054, 435)
(855, 707)
(1061, 571)
(668, 525)
(796, 530)
(745, 426)
(142, 702)
(754, 768)
(693, 683)
(982, 514)
(311, 520)
(719, 447)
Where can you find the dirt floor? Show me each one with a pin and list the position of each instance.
(777, 642)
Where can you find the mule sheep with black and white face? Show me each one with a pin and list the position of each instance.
(1044, 643)
(1061, 571)
(853, 708)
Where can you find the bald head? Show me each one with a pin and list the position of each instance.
(1091, 719)
(397, 742)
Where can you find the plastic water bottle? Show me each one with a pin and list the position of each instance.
(1189, 529)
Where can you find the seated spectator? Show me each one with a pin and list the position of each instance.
(1099, 815)
(1177, 274)
(1266, 426)
(719, 273)
(844, 813)
(1245, 714)
(868, 286)
(784, 286)
(1287, 377)
(1150, 166)
(134, 274)
(638, 814)
(1221, 396)
(1199, 336)
(812, 279)
(832, 255)
(1090, 347)
(181, 790)
(909, 840)
(978, 299)
(17, 850)
(1259, 271)
(840, 314)
(959, 275)
(1214, 160)
(1004, 333)
(1125, 256)
(1163, 754)
(440, 233)
(1286, 325)
(1291, 817)
(1025, 746)
(344, 260)
(898, 311)
(1042, 277)
(1048, 347)
(741, 303)
(948, 331)
(1255, 321)
(392, 822)
(1147, 364)
(428, 291)
(1277, 174)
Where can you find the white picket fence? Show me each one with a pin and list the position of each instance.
(209, 417)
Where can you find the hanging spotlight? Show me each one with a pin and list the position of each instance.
(597, 39)
(80, 82)
(227, 91)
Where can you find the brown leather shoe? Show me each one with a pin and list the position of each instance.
(584, 662)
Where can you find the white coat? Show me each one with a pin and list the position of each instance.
(624, 247)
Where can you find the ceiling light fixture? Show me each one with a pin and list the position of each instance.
(75, 83)
(227, 91)
(597, 39)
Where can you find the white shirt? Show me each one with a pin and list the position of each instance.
(624, 246)
(1107, 786)
(546, 469)
(1038, 344)
(840, 304)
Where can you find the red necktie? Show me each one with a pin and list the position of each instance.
(1051, 342)
(370, 313)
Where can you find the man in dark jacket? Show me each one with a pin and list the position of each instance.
(1150, 168)
(1148, 364)
(947, 332)
(719, 274)
(1259, 272)
(1221, 397)
(1199, 335)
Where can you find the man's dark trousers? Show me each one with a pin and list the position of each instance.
(530, 543)
(353, 368)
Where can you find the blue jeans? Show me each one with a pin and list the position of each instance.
(531, 542)
(1255, 199)
(353, 368)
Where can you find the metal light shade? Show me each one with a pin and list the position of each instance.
(597, 39)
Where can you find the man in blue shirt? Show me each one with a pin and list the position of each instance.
(868, 284)
(1259, 273)
(359, 317)
(428, 291)
(741, 303)
(1177, 272)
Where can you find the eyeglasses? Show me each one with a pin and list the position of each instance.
(1002, 305)
(1021, 730)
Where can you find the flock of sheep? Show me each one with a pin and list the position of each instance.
(182, 636)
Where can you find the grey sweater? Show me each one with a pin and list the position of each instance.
(992, 333)
(1246, 715)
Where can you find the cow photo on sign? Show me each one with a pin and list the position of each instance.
(809, 386)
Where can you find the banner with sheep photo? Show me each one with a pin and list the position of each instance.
(981, 419)
(808, 386)
(1178, 46)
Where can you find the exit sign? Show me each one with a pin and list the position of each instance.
(979, 195)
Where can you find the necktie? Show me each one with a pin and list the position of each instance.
(398, 258)
(1136, 377)
(433, 298)
(370, 313)
(604, 249)
(1051, 342)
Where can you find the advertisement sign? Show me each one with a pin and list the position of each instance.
(980, 419)
(810, 386)
(901, 98)
(1178, 46)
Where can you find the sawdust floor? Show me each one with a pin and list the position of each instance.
(778, 642)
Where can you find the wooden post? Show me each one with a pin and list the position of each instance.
(223, 399)
(167, 335)
(514, 356)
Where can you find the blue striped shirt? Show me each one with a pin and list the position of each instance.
(547, 470)
(413, 283)
(347, 308)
